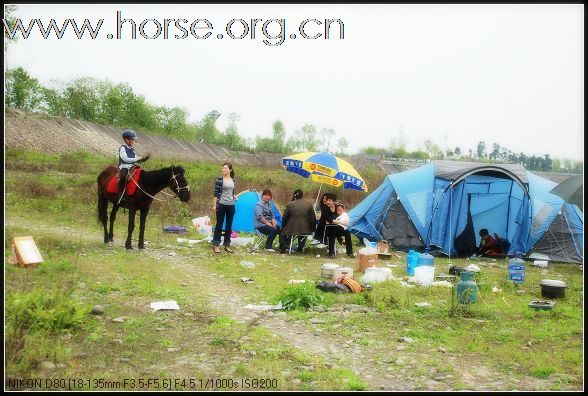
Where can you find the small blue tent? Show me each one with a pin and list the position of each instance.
(444, 204)
(243, 220)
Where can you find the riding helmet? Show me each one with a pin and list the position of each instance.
(129, 134)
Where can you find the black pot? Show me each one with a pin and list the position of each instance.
(553, 288)
(453, 270)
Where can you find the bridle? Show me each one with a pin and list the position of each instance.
(186, 187)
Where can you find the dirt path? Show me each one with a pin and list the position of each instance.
(392, 375)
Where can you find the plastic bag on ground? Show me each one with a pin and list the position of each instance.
(203, 225)
(376, 274)
(247, 264)
(327, 286)
(472, 268)
(242, 241)
(370, 247)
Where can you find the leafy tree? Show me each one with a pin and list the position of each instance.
(547, 163)
(279, 136)
(22, 91)
(481, 150)
(231, 135)
(82, 100)
(10, 20)
(556, 165)
(206, 131)
(457, 151)
(495, 150)
(325, 139)
(53, 102)
(140, 114)
(342, 144)
(294, 143)
(264, 144)
(401, 152)
(172, 121)
(419, 155)
(308, 137)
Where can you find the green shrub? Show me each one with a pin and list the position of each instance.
(43, 310)
(541, 372)
(301, 296)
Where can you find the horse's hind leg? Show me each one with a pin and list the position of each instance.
(103, 214)
(128, 243)
(143, 219)
(112, 219)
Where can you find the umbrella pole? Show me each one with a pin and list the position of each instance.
(319, 193)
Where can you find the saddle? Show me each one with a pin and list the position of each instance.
(133, 179)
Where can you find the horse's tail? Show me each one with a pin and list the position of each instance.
(102, 206)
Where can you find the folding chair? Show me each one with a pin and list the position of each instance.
(299, 238)
(259, 239)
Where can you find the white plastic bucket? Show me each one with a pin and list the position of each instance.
(424, 275)
(327, 270)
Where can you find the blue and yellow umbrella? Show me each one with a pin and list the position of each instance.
(325, 168)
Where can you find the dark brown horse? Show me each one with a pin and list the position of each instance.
(150, 183)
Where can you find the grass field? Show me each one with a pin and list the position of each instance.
(349, 342)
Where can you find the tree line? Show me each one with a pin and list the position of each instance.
(432, 151)
(119, 106)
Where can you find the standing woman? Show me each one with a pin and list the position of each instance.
(224, 205)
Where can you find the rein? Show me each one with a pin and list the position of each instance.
(163, 200)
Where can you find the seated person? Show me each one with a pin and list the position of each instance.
(264, 219)
(327, 216)
(298, 219)
(338, 228)
(488, 245)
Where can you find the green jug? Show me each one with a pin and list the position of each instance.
(467, 289)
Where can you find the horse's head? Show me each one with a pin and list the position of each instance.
(179, 185)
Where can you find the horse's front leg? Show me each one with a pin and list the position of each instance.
(143, 220)
(112, 219)
(128, 243)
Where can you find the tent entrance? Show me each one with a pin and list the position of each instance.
(397, 227)
(479, 200)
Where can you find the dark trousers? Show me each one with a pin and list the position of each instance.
(122, 178)
(334, 231)
(223, 211)
(285, 243)
(319, 233)
(271, 233)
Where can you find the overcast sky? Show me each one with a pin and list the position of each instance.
(456, 74)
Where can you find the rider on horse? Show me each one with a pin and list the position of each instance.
(127, 158)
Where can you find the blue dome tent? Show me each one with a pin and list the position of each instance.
(444, 203)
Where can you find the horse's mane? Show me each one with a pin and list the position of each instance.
(162, 173)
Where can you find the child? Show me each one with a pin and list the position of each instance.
(127, 157)
(342, 216)
(338, 229)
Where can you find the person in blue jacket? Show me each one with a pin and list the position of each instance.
(264, 219)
